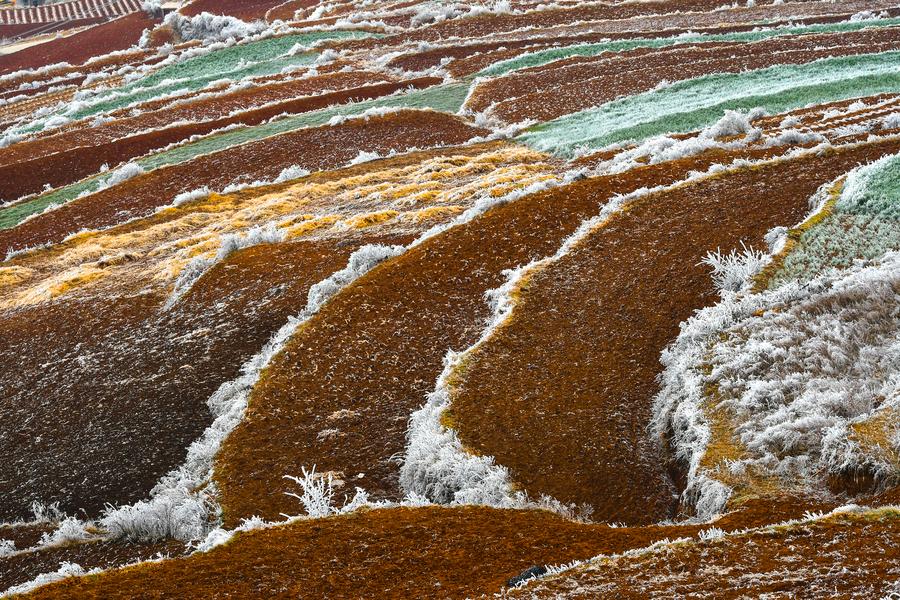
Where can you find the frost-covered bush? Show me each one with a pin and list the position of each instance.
(664, 148)
(69, 529)
(172, 512)
(713, 533)
(732, 272)
(47, 513)
(317, 492)
(122, 174)
(212, 28)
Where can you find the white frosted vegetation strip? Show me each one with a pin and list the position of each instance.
(66, 570)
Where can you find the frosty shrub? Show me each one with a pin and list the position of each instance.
(732, 272)
(318, 492)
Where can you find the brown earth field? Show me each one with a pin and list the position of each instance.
(429, 552)
(150, 370)
(315, 148)
(247, 10)
(60, 167)
(15, 570)
(374, 371)
(863, 545)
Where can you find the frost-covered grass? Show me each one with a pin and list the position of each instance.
(733, 271)
(696, 103)
(863, 224)
(66, 570)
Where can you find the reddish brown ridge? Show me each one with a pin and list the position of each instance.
(70, 165)
(99, 39)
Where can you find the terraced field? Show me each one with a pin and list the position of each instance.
(426, 299)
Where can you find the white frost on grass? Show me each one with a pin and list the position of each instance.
(212, 28)
(733, 124)
(732, 272)
(66, 570)
(713, 535)
(121, 175)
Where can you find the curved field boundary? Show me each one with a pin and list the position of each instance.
(580, 353)
(369, 357)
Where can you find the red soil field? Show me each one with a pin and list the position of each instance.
(118, 34)
(247, 10)
(149, 396)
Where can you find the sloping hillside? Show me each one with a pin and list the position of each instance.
(572, 299)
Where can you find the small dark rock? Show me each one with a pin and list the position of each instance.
(530, 573)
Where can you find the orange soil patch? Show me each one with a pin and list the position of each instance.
(313, 148)
(575, 84)
(846, 556)
(82, 158)
(580, 355)
(428, 552)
